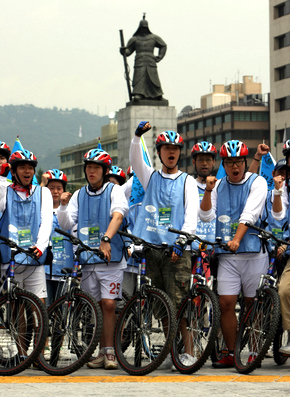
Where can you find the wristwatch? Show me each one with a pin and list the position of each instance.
(106, 239)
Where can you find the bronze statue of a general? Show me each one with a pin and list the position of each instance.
(146, 83)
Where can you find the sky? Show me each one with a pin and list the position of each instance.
(65, 53)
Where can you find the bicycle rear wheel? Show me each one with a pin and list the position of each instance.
(257, 330)
(74, 331)
(22, 332)
(198, 324)
(144, 332)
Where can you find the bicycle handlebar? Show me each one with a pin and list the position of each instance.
(139, 241)
(76, 241)
(192, 237)
(266, 235)
(12, 244)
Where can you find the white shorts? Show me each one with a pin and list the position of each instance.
(103, 285)
(234, 274)
(31, 278)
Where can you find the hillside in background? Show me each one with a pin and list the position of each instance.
(46, 131)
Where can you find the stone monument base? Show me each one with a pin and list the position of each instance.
(148, 102)
(161, 118)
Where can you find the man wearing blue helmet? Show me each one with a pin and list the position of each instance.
(61, 254)
(232, 201)
(203, 158)
(170, 200)
(26, 207)
(98, 209)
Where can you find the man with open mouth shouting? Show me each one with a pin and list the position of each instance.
(234, 200)
(170, 200)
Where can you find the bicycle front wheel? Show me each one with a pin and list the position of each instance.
(23, 331)
(197, 327)
(144, 332)
(257, 330)
(74, 331)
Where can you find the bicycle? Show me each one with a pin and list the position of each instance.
(260, 322)
(198, 317)
(23, 319)
(146, 326)
(75, 321)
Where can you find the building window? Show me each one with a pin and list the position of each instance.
(191, 143)
(218, 138)
(208, 122)
(227, 118)
(68, 171)
(281, 104)
(115, 145)
(109, 147)
(73, 171)
(279, 10)
(228, 136)
(283, 72)
(200, 125)
(218, 120)
(183, 129)
(282, 41)
(260, 116)
(68, 157)
(62, 159)
(243, 116)
(73, 156)
(191, 127)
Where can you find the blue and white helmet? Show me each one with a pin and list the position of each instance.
(98, 156)
(169, 138)
(234, 148)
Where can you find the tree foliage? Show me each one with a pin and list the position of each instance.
(46, 131)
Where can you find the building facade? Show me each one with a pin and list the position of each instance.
(279, 74)
(236, 111)
(71, 158)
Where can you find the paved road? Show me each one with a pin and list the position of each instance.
(270, 380)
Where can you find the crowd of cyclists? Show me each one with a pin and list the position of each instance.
(204, 206)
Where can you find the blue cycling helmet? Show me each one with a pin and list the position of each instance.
(98, 156)
(203, 147)
(234, 148)
(118, 173)
(56, 175)
(169, 138)
(22, 156)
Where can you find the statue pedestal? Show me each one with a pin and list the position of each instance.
(161, 118)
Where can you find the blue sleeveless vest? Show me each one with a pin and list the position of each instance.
(21, 214)
(94, 211)
(62, 251)
(161, 193)
(205, 230)
(231, 200)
